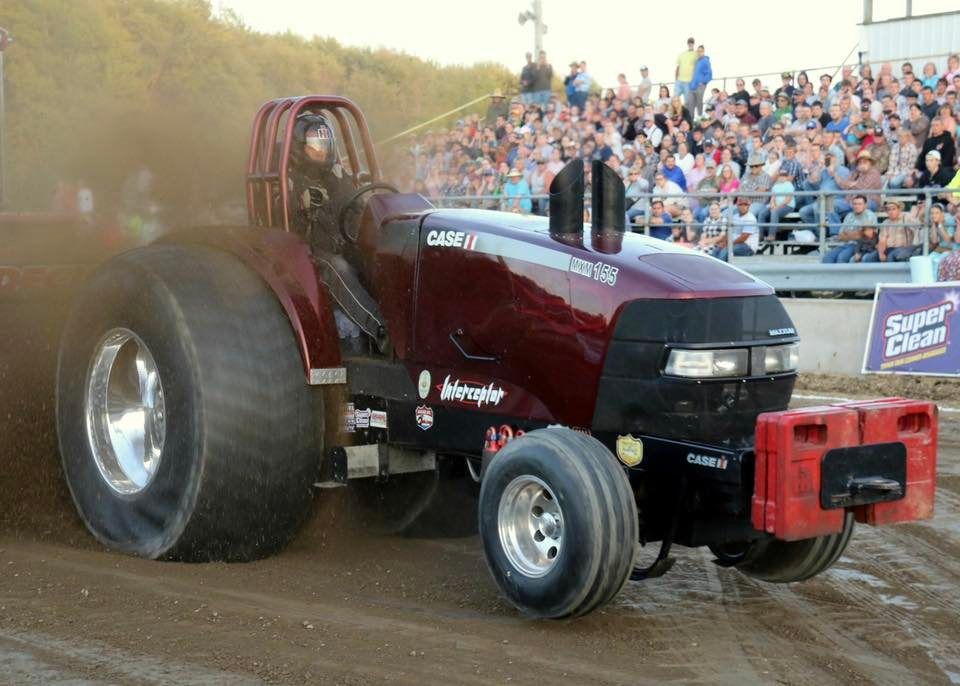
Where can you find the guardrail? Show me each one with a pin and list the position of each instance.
(824, 201)
(813, 276)
(791, 272)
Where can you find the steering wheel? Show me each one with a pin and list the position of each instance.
(352, 205)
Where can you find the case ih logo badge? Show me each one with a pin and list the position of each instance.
(629, 450)
(452, 239)
(714, 461)
(470, 392)
(918, 335)
(424, 417)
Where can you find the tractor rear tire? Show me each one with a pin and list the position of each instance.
(231, 425)
(559, 523)
(784, 562)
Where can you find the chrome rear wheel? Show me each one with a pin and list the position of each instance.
(125, 412)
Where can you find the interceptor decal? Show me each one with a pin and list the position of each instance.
(470, 392)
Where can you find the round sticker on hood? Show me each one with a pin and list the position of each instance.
(423, 385)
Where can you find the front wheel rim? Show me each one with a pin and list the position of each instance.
(125, 412)
(530, 524)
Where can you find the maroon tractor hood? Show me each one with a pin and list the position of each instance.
(646, 267)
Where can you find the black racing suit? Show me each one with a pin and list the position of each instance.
(317, 203)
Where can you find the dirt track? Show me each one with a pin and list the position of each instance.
(343, 607)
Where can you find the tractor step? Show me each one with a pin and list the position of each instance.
(378, 460)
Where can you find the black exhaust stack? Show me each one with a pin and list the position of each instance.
(566, 201)
(609, 210)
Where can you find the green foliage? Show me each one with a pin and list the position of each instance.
(96, 88)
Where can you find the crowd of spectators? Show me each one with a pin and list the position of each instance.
(701, 167)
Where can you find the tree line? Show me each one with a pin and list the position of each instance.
(97, 88)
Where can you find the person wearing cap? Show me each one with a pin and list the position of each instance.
(498, 107)
(864, 178)
(781, 204)
(645, 86)
(713, 233)
(636, 188)
(653, 133)
(940, 141)
(683, 74)
(755, 180)
(743, 114)
(934, 174)
(783, 107)
(743, 232)
(702, 76)
(850, 231)
(708, 185)
(786, 86)
(879, 149)
(581, 84)
(897, 234)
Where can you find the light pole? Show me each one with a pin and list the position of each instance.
(4, 42)
(539, 28)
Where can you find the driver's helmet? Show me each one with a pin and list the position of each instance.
(314, 144)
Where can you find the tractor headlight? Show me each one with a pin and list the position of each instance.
(705, 364)
(781, 358)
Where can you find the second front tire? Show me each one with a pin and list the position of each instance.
(559, 523)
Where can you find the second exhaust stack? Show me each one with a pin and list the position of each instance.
(608, 202)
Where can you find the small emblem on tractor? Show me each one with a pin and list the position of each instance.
(423, 384)
(424, 416)
(378, 419)
(349, 418)
(629, 450)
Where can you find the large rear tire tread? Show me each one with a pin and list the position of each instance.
(601, 523)
(241, 453)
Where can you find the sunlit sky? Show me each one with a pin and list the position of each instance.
(741, 36)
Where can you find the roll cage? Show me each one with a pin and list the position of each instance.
(271, 139)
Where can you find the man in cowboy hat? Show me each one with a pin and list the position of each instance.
(865, 178)
(516, 193)
(498, 107)
(755, 181)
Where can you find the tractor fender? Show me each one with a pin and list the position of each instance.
(283, 261)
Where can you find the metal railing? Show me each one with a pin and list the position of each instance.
(832, 69)
(824, 200)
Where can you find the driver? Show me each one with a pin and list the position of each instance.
(318, 181)
(320, 188)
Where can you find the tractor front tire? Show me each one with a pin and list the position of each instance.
(187, 430)
(559, 523)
